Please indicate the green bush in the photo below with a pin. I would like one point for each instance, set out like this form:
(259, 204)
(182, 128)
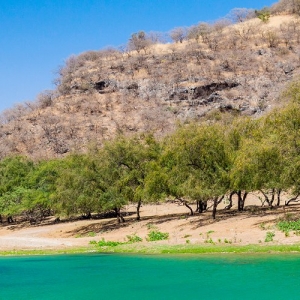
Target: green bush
(134, 238)
(103, 243)
(209, 241)
(287, 226)
(156, 235)
(269, 236)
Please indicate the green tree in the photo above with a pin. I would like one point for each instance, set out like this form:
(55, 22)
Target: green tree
(130, 161)
(79, 186)
(285, 124)
(13, 173)
(198, 164)
(240, 131)
(41, 189)
(263, 14)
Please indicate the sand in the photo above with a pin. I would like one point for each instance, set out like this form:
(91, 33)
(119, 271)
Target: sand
(230, 227)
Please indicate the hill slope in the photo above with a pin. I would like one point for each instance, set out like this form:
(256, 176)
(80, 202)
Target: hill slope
(239, 68)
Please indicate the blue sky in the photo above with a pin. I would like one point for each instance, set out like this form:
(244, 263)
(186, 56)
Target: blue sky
(38, 35)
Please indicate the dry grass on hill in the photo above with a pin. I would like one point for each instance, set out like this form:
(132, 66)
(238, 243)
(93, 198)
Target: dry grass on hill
(240, 69)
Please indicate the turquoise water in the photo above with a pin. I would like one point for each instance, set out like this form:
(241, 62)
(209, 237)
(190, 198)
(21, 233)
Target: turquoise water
(105, 276)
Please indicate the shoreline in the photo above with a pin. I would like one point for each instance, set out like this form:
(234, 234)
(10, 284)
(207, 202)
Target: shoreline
(248, 232)
(160, 249)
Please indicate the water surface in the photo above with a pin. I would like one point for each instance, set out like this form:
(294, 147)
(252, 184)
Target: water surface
(106, 276)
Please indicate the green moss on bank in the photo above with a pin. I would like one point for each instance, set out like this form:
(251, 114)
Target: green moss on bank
(163, 249)
(47, 251)
(200, 249)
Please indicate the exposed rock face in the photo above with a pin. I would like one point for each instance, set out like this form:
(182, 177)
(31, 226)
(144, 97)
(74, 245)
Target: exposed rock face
(204, 92)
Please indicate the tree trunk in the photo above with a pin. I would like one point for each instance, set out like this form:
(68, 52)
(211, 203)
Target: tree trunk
(214, 212)
(241, 200)
(119, 216)
(1, 221)
(201, 206)
(138, 217)
(184, 202)
(267, 199)
(198, 206)
(292, 199)
(10, 219)
(278, 197)
(216, 203)
(272, 198)
(191, 210)
(87, 216)
(230, 200)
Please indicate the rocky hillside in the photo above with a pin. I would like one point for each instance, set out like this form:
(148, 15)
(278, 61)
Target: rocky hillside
(240, 68)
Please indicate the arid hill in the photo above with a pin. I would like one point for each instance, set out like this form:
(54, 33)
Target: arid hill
(150, 86)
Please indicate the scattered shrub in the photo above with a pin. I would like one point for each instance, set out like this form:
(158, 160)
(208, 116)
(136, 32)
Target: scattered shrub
(104, 243)
(269, 236)
(209, 241)
(134, 238)
(227, 241)
(287, 226)
(155, 235)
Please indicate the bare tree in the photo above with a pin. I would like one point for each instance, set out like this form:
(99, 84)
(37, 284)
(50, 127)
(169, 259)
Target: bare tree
(204, 30)
(45, 98)
(219, 25)
(16, 112)
(194, 33)
(139, 41)
(271, 38)
(289, 6)
(238, 15)
(156, 37)
(178, 34)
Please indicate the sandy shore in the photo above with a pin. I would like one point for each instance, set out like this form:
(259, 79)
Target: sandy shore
(230, 227)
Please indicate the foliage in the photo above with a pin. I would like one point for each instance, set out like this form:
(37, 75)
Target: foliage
(287, 226)
(269, 236)
(134, 238)
(78, 188)
(156, 235)
(263, 14)
(197, 162)
(104, 243)
(13, 184)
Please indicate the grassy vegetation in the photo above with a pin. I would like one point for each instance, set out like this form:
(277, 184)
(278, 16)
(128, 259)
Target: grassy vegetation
(163, 249)
(47, 251)
(269, 236)
(103, 243)
(287, 226)
(202, 249)
(156, 235)
(134, 238)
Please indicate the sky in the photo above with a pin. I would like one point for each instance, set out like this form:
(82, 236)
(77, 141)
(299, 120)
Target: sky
(37, 36)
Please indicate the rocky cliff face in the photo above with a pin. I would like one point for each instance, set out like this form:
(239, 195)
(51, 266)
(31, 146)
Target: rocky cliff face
(241, 69)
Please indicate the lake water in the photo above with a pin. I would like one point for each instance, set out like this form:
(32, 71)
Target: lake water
(106, 276)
